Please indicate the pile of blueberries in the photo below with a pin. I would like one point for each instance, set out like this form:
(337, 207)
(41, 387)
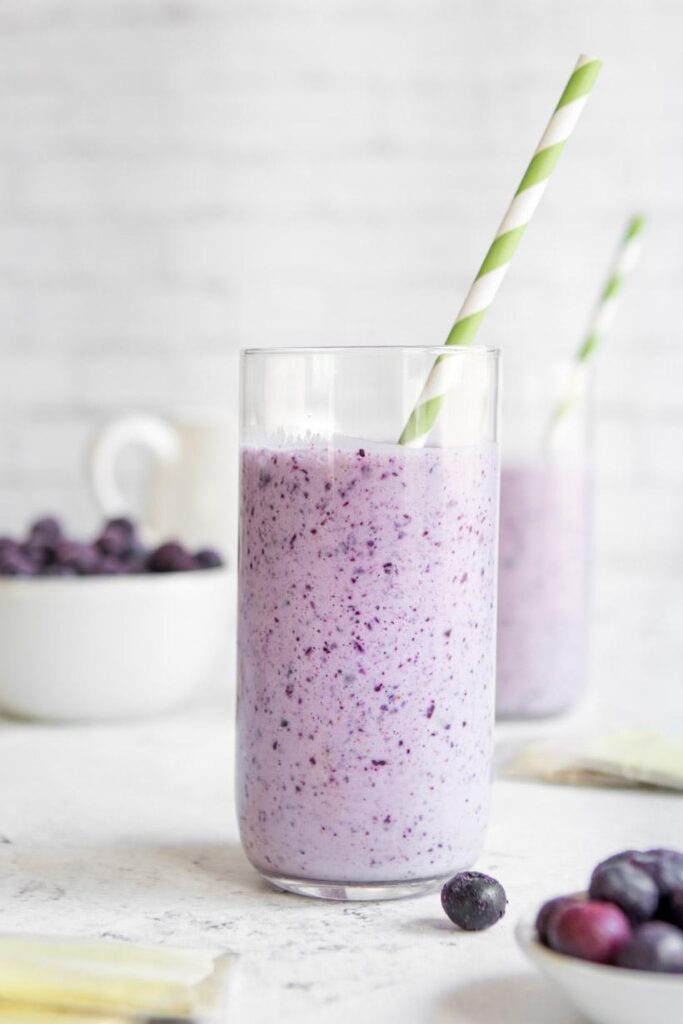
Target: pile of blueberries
(116, 551)
(631, 917)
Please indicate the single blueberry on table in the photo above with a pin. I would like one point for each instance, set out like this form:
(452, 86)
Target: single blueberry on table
(590, 931)
(654, 946)
(629, 886)
(473, 901)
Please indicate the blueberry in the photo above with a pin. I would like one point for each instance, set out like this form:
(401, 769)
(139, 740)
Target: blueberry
(655, 946)
(629, 886)
(124, 524)
(671, 908)
(106, 565)
(39, 554)
(117, 538)
(665, 867)
(207, 558)
(136, 559)
(473, 901)
(74, 554)
(15, 563)
(170, 557)
(616, 858)
(58, 570)
(589, 931)
(549, 910)
(47, 530)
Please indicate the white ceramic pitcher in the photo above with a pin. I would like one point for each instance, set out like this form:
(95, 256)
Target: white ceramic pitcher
(192, 492)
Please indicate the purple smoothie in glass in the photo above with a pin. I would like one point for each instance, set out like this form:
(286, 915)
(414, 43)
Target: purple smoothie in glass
(366, 658)
(543, 586)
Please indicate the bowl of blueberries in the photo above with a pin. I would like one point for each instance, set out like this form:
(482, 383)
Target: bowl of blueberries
(616, 951)
(107, 628)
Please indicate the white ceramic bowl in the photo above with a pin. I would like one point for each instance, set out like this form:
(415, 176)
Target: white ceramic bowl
(111, 647)
(606, 995)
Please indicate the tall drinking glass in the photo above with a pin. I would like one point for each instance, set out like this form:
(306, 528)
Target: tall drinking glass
(545, 539)
(367, 597)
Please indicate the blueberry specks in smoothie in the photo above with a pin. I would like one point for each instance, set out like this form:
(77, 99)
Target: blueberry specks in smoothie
(353, 673)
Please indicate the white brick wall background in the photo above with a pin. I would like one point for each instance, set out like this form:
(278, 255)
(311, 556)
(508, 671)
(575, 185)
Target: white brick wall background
(180, 178)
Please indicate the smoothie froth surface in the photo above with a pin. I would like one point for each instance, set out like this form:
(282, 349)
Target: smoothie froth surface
(366, 658)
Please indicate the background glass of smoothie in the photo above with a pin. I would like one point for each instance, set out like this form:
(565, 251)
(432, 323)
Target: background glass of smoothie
(367, 606)
(544, 588)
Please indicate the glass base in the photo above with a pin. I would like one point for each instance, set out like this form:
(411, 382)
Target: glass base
(519, 715)
(356, 891)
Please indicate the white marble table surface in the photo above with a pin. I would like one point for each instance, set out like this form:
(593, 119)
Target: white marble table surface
(129, 831)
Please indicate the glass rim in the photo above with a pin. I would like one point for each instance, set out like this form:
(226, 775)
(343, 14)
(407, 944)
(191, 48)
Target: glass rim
(435, 350)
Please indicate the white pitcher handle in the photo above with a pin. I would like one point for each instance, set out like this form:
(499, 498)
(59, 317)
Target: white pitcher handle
(140, 430)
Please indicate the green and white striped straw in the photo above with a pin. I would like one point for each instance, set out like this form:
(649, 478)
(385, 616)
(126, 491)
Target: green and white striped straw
(625, 260)
(508, 236)
(626, 257)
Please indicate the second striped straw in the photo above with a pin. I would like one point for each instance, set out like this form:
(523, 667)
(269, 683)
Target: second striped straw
(606, 307)
(508, 236)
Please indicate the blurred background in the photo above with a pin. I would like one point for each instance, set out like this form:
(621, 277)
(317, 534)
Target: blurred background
(183, 178)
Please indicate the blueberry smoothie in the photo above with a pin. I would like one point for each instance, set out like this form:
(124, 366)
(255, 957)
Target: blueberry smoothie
(543, 586)
(367, 581)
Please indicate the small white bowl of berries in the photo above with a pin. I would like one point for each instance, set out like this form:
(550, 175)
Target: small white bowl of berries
(108, 628)
(616, 951)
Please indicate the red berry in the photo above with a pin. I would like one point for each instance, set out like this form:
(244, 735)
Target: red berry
(589, 931)
(548, 912)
